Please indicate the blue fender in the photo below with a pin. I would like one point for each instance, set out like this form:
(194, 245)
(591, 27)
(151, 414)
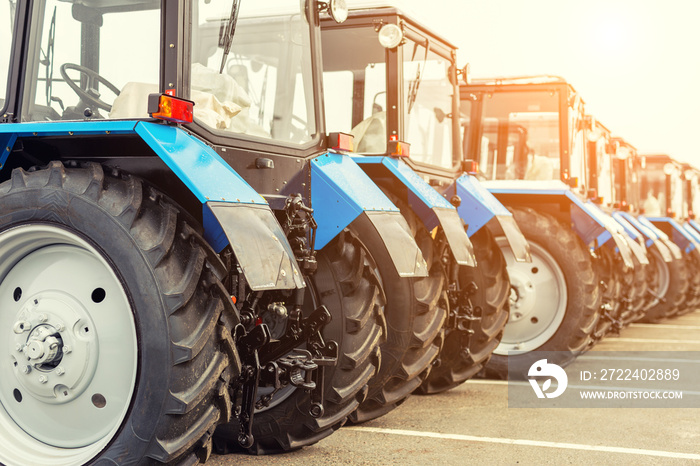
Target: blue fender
(432, 208)
(233, 212)
(619, 232)
(694, 225)
(649, 235)
(675, 231)
(673, 248)
(341, 192)
(634, 238)
(695, 234)
(592, 225)
(478, 206)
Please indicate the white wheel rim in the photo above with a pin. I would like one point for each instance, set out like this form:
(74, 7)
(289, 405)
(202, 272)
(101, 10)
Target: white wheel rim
(663, 275)
(61, 407)
(537, 303)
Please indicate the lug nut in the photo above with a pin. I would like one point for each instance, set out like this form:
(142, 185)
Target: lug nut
(21, 326)
(67, 349)
(43, 379)
(60, 371)
(43, 318)
(26, 369)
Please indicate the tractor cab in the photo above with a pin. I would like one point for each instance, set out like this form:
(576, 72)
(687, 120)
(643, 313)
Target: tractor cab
(527, 129)
(397, 87)
(662, 187)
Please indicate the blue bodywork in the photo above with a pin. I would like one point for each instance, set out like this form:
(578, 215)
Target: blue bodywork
(649, 232)
(478, 206)
(591, 224)
(695, 225)
(227, 200)
(694, 233)
(678, 234)
(341, 192)
(431, 207)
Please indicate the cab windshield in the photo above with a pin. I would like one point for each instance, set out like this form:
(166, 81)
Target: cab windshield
(263, 86)
(661, 188)
(7, 25)
(354, 79)
(427, 105)
(519, 136)
(84, 55)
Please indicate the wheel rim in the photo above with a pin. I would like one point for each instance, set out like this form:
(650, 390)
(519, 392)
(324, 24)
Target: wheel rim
(662, 280)
(69, 374)
(537, 302)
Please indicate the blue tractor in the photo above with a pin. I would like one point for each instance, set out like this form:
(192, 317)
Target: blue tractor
(529, 138)
(183, 247)
(392, 83)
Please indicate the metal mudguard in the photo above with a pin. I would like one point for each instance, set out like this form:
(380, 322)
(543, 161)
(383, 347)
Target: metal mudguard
(695, 234)
(342, 192)
(675, 232)
(651, 234)
(591, 224)
(635, 239)
(620, 237)
(432, 208)
(478, 206)
(233, 212)
(694, 225)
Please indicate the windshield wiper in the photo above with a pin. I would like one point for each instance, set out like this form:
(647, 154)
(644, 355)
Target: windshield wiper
(415, 83)
(230, 31)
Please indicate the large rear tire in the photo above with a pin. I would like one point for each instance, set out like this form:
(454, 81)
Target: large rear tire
(555, 300)
(415, 313)
(464, 355)
(115, 324)
(345, 282)
(671, 285)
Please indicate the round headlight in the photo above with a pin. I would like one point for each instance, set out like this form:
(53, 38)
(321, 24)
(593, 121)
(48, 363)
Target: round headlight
(623, 153)
(338, 10)
(390, 36)
(669, 169)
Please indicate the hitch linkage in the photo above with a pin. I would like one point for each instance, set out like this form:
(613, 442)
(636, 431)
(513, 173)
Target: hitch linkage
(278, 364)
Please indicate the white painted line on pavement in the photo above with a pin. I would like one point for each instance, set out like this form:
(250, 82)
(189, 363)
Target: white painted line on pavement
(662, 326)
(487, 382)
(591, 357)
(579, 387)
(647, 340)
(530, 443)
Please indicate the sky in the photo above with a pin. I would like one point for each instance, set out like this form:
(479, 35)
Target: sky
(636, 63)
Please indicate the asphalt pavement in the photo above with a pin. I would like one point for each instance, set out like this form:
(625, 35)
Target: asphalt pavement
(472, 424)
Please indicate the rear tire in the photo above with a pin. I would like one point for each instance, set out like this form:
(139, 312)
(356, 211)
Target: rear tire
(141, 316)
(672, 286)
(415, 314)
(555, 300)
(464, 355)
(347, 284)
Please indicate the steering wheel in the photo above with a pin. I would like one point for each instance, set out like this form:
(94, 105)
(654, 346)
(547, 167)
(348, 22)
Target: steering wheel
(89, 95)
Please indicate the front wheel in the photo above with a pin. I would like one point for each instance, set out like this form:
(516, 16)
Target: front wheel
(554, 301)
(112, 316)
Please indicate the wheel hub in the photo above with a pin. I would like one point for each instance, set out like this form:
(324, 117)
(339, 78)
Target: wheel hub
(53, 351)
(523, 296)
